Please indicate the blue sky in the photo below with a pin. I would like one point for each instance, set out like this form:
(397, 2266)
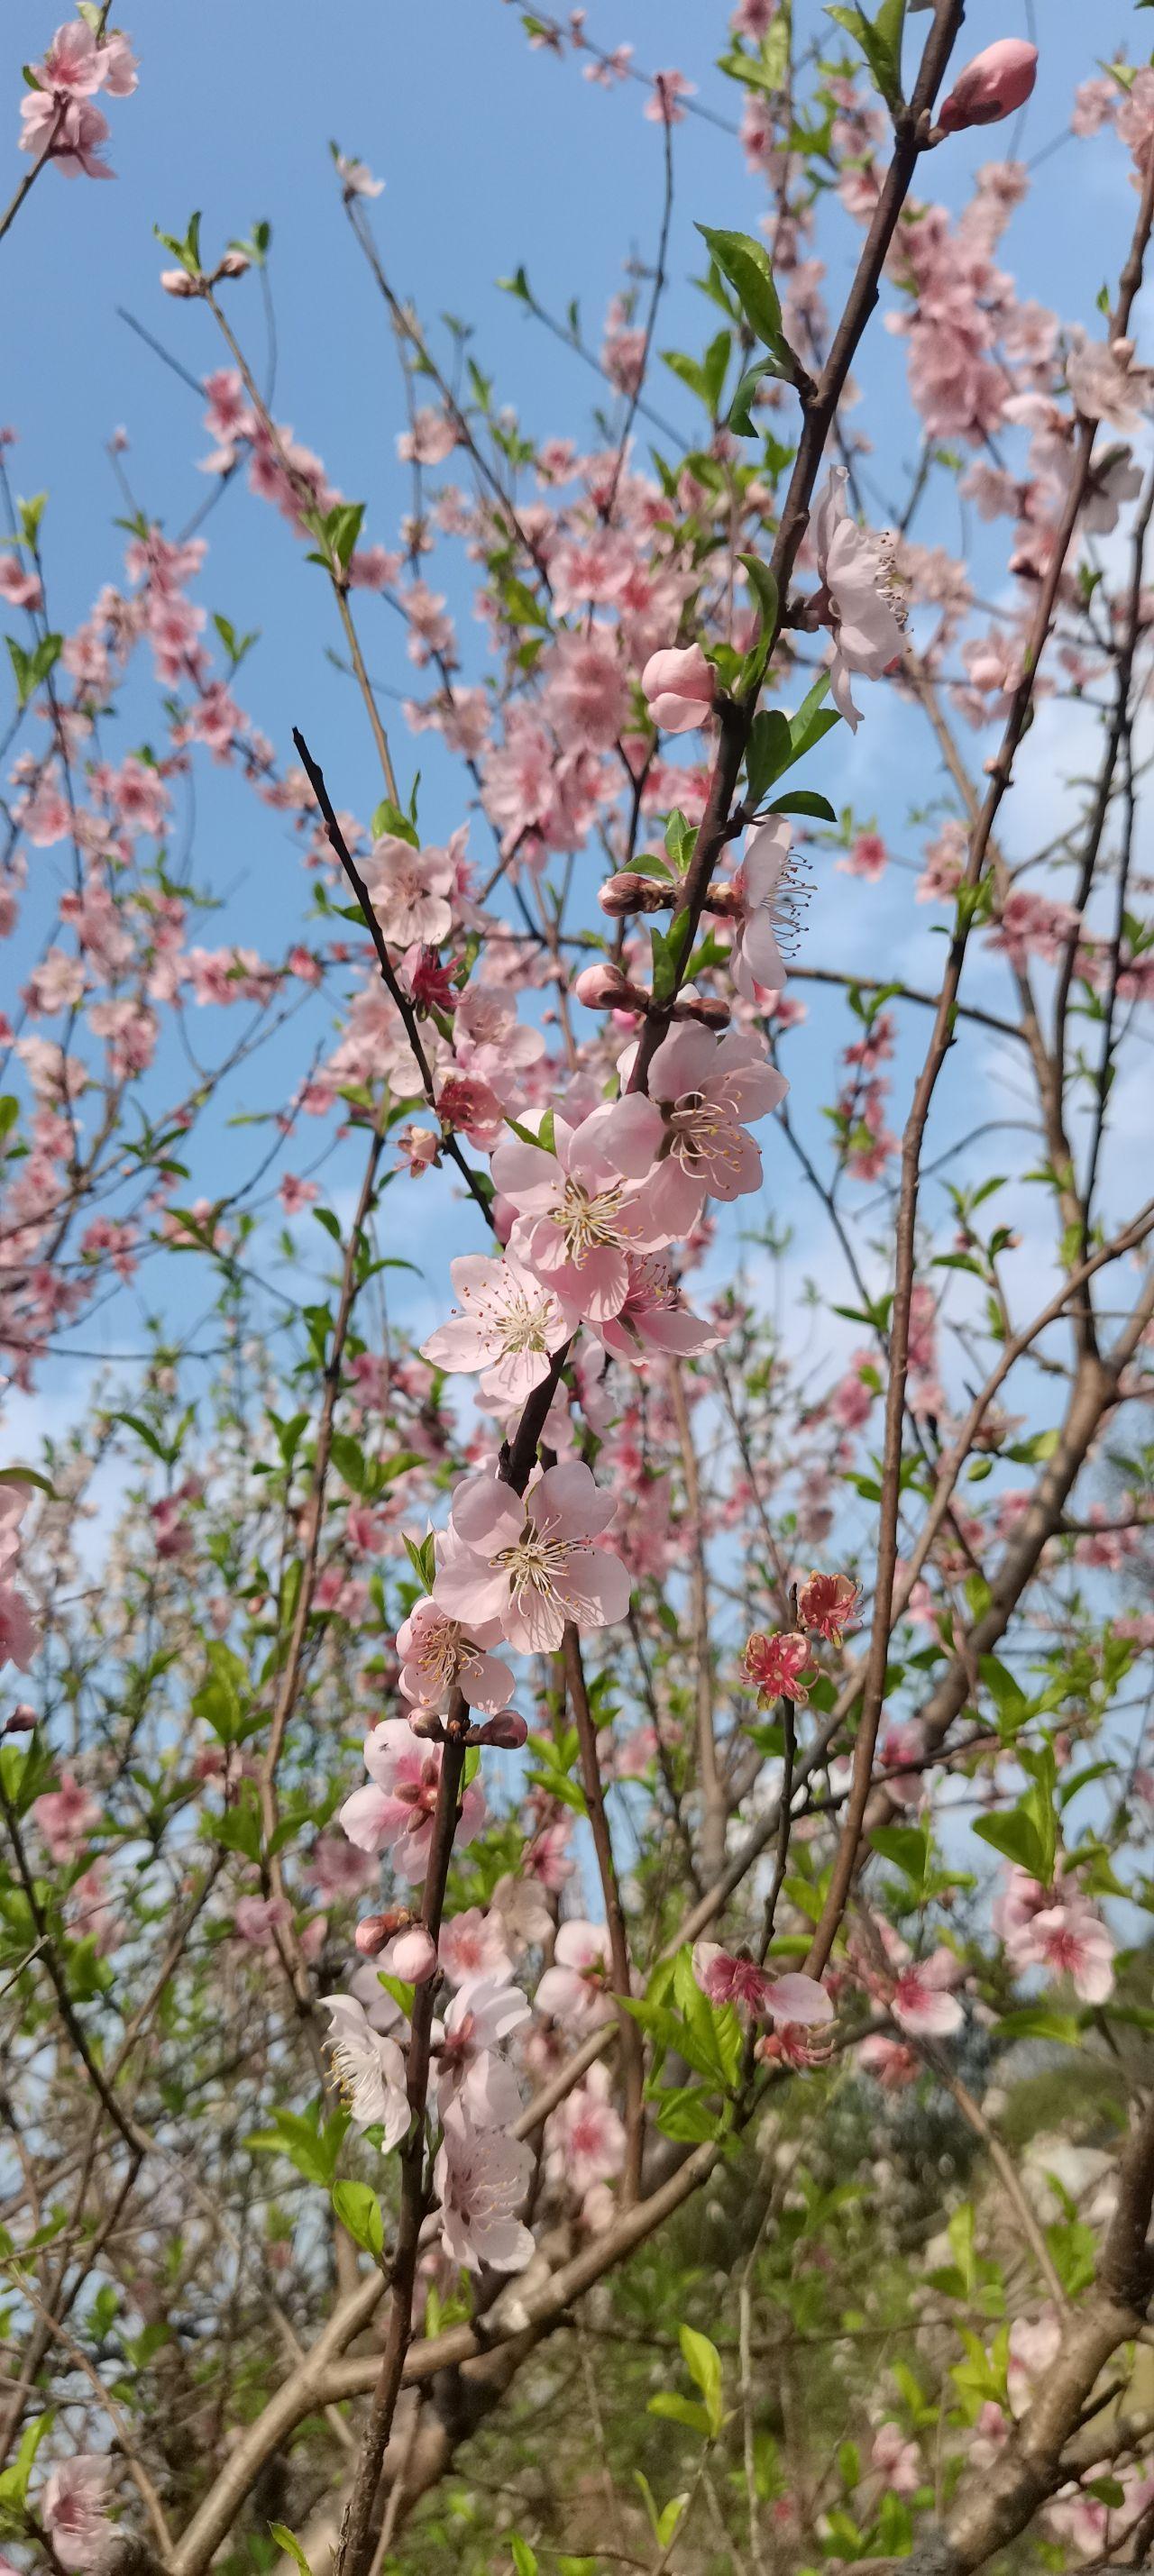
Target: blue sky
(492, 154)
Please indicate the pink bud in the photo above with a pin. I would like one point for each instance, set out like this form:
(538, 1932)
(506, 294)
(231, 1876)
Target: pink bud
(623, 894)
(376, 1929)
(425, 1722)
(176, 281)
(234, 264)
(414, 1955)
(20, 1720)
(679, 688)
(709, 1013)
(998, 80)
(506, 1730)
(605, 988)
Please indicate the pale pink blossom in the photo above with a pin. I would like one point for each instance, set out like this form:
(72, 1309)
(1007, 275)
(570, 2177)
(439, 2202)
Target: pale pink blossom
(481, 2179)
(652, 1319)
(762, 883)
(468, 2071)
(856, 599)
(729, 1979)
(409, 889)
(679, 687)
(74, 2512)
(67, 1817)
(585, 2136)
(1035, 2344)
(369, 2069)
(582, 1209)
(474, 1944)
(705, 1088)
(510, 1328)
(394, 1812)
(898, 2461)
(922, 2001)
(75, 132)
(19, 1633)
(439, 1656)
(575, 1990)
(529, 1562)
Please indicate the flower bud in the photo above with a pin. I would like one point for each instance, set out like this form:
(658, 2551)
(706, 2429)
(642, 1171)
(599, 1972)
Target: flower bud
(20, 1720)
(414, 1955)
(605, 988)
(679, 688)
(506, 1730)
(626, 893)
(376, 1930)
(996, 82)
(425, 1723)
(709, 1013)
(176, 281)
(234, 264)
(726, 900)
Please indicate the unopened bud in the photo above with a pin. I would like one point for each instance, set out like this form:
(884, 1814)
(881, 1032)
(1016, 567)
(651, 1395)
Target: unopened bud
(726, 900)
(506, 1730)
(20, 1720)
(626, 893)
(377, 1930)
(425, 1723)
(414, 1955)
(176, 281)
(991, 86)
(234, 264)
(606, 988)
(709, 1014)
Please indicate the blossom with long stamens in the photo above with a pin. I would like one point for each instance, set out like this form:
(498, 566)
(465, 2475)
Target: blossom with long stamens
(702, 1089)
(369, 2069)
(768, 901)
(529, 1561)
(511, 1325)
(439, 1656)
(857, 598)
(581, 1210)
(652, 1321)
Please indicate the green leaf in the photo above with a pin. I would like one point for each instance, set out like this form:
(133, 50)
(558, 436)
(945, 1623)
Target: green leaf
(679, 2410)
(524, 2559)
(703, 2362)
(880, 40)
(805, 800)
(287, 2541)
(359, 2211)
(1016, 1837)
(745, 262)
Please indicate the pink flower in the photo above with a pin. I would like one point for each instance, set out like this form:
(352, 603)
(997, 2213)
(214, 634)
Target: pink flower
(73, 63)
(437, 1656)
(922, 2002)
(408, 889)
(705, 1088)
(369, 2069)
(574, 1990)
(395, 1811)
(80, 131)
(868, 858)
(727, 1979)
(585, 2137)
(998, 80)
(663, 107)
(73, 2509)
(762, 882)
(826, 1604)
(587, 694)
(580, 1210)
(1071, 1941)
(19, 1634)
(482, 2014)
(357, 179)
(511, 1325)
(529, 1562)
(889, 2061)
(1035, 2344)
(66, 1817)
(20, 588)
(652, 1318)
(295, 1194)
(781, 1666)
(473, 1945)
(856, 599)
(679, 687)
(482, 2178)
(898, 2460)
